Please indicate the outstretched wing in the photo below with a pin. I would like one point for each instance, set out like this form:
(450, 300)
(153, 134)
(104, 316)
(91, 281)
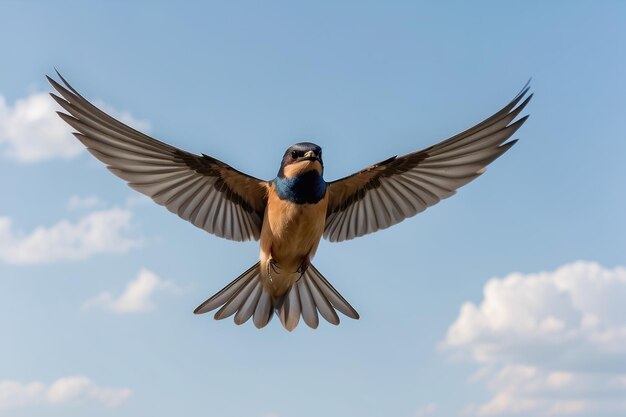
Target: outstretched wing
(209, 193)
(392, 190)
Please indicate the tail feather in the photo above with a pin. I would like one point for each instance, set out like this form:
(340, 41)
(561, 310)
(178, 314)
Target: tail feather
(228, 291)
(247, 309)
(236, 301)
(321, 302)
(307, 304)
(263, 311)
(332, 294)
(246, 298)
(289, 311)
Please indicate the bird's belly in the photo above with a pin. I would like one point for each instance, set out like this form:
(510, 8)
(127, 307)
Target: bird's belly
(293, 230)
(295, 236)
(290, 234)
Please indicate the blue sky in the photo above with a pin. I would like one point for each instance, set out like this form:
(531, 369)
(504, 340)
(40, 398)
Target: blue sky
(97, 285)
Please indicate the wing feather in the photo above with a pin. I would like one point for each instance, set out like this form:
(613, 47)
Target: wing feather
(201, 189)
(399, 187)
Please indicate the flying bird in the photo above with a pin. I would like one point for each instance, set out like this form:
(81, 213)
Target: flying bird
(290, 213)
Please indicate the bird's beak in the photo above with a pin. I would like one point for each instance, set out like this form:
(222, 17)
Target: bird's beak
(309, 154)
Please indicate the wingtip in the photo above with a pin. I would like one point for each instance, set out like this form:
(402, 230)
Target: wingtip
(58, 99)
(67, 118)
(523, 91)
(52, 80)
(526, 86)
(64, 81)
(61, 77)
(200, 309)
(55, 84)
(506, 146)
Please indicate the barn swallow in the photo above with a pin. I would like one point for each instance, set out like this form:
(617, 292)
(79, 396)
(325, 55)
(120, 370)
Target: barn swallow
(292, 212)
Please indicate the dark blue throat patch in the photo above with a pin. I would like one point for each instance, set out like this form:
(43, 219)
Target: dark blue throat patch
(307, 188)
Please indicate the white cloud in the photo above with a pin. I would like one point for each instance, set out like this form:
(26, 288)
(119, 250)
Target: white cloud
(137, 199)
(96, 232)
(14, 395)
(31, 131)
(80, 389)
(68, 390)
(82, 203)
(549, 343)
(427, 410)
(136, 297)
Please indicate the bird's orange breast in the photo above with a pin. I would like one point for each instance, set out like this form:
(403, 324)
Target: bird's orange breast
(290, 233)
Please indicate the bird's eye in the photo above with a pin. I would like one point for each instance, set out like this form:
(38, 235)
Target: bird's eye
(294, 154)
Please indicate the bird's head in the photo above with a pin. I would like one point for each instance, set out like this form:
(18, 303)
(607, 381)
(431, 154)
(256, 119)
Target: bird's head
(300, 158)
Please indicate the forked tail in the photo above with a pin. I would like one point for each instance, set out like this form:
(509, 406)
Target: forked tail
(245, 297)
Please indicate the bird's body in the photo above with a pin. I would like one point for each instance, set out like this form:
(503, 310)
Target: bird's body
(290, 235)
(291, 213)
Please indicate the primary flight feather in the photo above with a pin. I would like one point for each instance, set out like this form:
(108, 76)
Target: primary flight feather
(292, 212)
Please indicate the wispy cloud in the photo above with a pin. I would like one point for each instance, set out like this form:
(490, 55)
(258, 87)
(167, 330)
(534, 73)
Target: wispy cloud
(83, 203)
(68, 390)
(96, 232)
(137, 297)
(550, 343)
(31, 131)
(427, 410)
